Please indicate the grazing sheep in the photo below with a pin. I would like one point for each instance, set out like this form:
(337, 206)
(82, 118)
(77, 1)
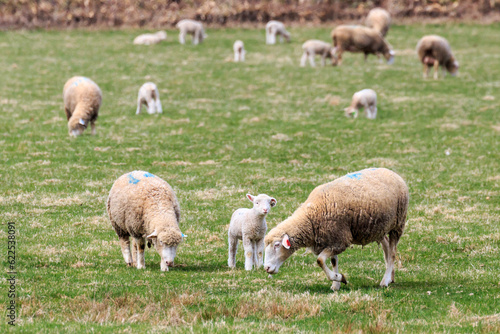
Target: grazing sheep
(435, 51)
(148, 39)
(358, 208)
(314, 47)
(274, 28)
(367, 99)
(360, 39)
(239, 51)
(82, 100)
(379, 19)
(191, 27)
(149, 95)
(250, 226)
(144, 206)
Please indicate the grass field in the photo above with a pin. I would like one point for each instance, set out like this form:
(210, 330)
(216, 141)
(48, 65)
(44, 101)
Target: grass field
(264, 126)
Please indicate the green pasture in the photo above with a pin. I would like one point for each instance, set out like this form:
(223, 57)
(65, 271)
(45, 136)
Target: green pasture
(263, 126)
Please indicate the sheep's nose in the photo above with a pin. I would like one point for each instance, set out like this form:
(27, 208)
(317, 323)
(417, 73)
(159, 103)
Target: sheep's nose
(267, 268)
(265, 210)
(170, 263)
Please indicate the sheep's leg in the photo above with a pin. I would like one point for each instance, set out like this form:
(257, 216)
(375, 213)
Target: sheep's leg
(436, 70)
(125, 245)
(260, 253)
(139, 105)
(236, 56)
(233, 248)
(335, 264)
(140, 253)
(323, 60)
(339, 57)
(390, 256)
(134, 251)
(68, 113)
(247, 247)
(92, 127)
(303, 59)
(426, 71)
(331, 275)
(311, 59)
(366, 57)
(159, 109)
(255, 258)
(196, 37)
(242, 55)
(182, 37)
(151, 104)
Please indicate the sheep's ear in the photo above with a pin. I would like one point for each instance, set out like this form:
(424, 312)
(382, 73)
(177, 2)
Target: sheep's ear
(286, 242)
(273, 201)
(81, 121)
(250, 197)
(153, 235)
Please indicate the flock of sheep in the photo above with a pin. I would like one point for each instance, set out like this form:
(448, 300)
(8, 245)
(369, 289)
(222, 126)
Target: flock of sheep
(358, 208)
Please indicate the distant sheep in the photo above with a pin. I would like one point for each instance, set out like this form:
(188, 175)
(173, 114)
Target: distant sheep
(149, 95)
(314, 47)
(274, 28)
(367, 99)
(435, 51)
(239, 51)
(191, 27)
(360, 39)
(250, 226)
(379, 19)
(82, 100)
(358, 208)
(144, 206)
(149, 39)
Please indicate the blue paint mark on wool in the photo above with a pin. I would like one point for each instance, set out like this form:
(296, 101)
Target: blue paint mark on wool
(79, 81)
(132, 179)
(147, 174)
(354, 176)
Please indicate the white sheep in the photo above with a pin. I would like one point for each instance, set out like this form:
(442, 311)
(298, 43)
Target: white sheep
(435, 51)
(191, 27)
(144, 206)
(82, 100)
(239, 51)
(149, 39)
(149, 95)
(358, 208)
(367, 99)
(314, 47)
(274, 28)
(250, 226)
(379, 19)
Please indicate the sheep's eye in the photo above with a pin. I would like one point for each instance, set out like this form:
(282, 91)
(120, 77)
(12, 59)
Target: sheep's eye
(277, 244)
(256, 202)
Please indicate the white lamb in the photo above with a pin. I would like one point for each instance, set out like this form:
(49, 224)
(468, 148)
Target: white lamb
(149, 95)
(250, 226)
(239, 51)
(149, 39)
(314, 47)
(274, 28)
(191, 27)
(367, 99)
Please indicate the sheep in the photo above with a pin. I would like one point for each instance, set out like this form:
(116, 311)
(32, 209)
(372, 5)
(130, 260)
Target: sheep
(435, 51)
(145, 207)
(239, 51)
(250, 226)
(148, 39)
(149, 95)
(360, 39)
(359, 208)
(82, 100)
(313, 47)
(191, 27)
(379, 19)
(274, 28)
(367, 99)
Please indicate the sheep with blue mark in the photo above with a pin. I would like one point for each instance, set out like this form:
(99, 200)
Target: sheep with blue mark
(82, 100)
(145, 207)
(358, 208)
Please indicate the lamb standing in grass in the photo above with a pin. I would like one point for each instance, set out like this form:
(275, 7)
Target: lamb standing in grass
(314, 47)
(360, 39)
(358, 208)
(82, 100)
(250, 226)
(434, 51)
(379, 19)
(144, 206)
(367, 99)
(239, 51)
(274, 28)
(149, 39)
(191, 27)
(149, 95)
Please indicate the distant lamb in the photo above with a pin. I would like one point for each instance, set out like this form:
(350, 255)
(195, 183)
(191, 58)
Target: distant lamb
(239, 51)
(435, 51)
(274, 28)
(360, 39)
(250, 226)
(191, 27)
(314, 47)
(144, 206)
(82, 100)
(149, 95)
(358, 208)
(367, 99)
(379, 19)
(149, 39)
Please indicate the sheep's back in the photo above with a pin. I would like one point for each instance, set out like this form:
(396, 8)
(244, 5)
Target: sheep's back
(81, 90)
(435, 46)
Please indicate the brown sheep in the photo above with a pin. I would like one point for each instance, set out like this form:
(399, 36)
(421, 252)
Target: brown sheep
(435, 51)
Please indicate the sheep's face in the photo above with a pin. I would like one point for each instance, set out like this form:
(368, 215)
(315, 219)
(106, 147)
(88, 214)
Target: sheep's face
(76, 126)
(277, 251)
(262, 203)
(389, 56)
(166, 243)
(452, 67)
